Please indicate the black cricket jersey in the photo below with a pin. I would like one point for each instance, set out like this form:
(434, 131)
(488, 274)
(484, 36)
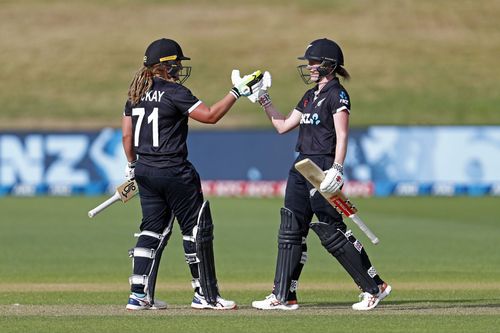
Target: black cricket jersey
(160, 124)
(317, 131)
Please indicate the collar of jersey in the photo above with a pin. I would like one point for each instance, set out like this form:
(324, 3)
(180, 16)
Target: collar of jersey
(328, 86)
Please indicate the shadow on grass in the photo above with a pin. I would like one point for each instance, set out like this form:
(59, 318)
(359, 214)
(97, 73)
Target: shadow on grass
(420, 304)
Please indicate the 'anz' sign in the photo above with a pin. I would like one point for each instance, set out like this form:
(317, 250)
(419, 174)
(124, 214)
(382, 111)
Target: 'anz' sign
(59, 161)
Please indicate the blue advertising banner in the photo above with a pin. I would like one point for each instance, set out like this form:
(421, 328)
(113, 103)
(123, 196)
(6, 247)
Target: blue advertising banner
(381, 160)
(427, 160)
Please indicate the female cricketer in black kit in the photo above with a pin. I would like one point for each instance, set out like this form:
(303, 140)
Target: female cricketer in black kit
(323, 119)
(155, 128)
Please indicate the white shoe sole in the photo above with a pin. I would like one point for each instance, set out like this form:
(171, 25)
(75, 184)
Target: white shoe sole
(211, 307)
(137, 307)
(140, 308)
(366, 308)
(275, 307)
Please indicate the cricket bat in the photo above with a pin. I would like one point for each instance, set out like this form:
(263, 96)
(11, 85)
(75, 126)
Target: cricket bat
(315, 176)
(124, 192)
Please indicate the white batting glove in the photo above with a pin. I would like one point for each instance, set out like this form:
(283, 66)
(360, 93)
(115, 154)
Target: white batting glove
(246, 85)
(259, 94)
(334, 179)
(130, 170)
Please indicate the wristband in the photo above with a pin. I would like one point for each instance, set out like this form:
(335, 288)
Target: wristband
(339, 167)
(132, 164)
(235, 92)
(265, 100)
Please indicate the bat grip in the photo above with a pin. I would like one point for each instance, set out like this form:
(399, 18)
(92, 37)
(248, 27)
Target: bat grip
(356, 219)
(104, 205)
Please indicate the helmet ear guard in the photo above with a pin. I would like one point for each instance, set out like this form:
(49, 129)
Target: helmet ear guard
(177, 71)
(327, 67)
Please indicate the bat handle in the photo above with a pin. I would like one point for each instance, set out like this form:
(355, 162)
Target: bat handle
(105, 204)
(359, 222)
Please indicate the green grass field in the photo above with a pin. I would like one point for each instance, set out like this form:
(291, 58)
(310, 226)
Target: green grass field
(66, 65)
(64, 272)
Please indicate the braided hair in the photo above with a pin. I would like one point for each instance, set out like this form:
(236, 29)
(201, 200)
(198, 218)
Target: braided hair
(143, 81)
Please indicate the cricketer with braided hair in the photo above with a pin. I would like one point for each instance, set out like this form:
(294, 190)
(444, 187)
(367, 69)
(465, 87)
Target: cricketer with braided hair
(155, 129)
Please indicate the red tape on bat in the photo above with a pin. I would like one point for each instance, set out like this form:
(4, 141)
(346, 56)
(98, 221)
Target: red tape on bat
(344, 206)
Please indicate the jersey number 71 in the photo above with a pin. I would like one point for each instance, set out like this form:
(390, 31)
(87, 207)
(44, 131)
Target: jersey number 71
(152, 118)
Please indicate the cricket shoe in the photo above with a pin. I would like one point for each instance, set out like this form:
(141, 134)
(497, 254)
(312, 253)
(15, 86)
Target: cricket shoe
(199, 302)
(384, 291)
(142, 303)
(369, 301)
(272, 303)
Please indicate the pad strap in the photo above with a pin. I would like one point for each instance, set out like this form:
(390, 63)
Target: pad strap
(195, 283)
(150, 234)
(138, 279)
(191, 258)
(142, 252)
(303, 258)
(191, 238)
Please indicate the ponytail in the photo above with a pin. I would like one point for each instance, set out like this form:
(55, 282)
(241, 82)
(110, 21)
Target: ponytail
(341, 71)
(143, 81)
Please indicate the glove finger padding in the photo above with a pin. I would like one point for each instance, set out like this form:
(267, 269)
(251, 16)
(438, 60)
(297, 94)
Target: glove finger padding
(252, 83)
(247, 85)
(333, 181)
(266, 80)
(260, 89)
(235, 76)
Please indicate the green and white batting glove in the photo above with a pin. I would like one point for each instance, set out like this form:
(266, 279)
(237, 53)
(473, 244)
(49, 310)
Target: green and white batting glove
(261, 94)
(247, 85)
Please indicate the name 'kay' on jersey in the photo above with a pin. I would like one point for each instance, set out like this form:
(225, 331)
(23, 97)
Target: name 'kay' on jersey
(152, 96)
(317, 129)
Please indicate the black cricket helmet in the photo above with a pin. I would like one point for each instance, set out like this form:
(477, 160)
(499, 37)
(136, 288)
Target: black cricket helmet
(327, 52)
(168, 52)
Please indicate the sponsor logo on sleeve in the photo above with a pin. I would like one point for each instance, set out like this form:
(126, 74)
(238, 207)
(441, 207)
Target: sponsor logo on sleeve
(343, 99)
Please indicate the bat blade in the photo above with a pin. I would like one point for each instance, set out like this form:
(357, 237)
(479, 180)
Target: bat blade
(342, 204)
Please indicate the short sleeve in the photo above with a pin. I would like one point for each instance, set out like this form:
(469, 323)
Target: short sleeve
(127, 111)
(184, 100)
(301, 105)
(340, 101)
